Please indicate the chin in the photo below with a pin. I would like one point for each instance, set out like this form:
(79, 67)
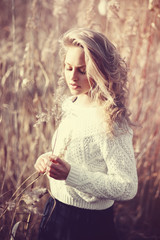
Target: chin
(74, 92)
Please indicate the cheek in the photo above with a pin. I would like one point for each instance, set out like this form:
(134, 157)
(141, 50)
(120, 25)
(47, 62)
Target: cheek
(87, 83)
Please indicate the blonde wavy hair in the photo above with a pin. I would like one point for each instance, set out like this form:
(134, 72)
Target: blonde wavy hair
(107, 71)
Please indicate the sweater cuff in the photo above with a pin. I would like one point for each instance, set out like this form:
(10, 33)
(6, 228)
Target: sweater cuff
(73, 177)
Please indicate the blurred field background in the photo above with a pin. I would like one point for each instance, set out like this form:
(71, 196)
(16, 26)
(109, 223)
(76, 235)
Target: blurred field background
(29, 73)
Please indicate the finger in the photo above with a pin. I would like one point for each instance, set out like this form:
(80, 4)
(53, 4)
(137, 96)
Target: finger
(52, 173)
(53, 158)
(53, 168)
(40, 167)
(62, 163)
(59, 160)
(50, 164)
(43, 163)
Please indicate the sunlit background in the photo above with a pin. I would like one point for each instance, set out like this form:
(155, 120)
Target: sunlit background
(29, 103)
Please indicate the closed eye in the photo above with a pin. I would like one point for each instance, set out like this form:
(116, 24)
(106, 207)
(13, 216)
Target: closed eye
(82, 70)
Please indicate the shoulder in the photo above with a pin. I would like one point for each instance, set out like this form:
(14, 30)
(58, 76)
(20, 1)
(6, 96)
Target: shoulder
(122, 135)
(122, 129)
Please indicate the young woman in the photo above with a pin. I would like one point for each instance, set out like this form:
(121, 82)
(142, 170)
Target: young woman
(93, 162)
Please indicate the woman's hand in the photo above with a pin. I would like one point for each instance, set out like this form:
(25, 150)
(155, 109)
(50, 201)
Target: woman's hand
(53, 166)
(58, 168)
(41, 163)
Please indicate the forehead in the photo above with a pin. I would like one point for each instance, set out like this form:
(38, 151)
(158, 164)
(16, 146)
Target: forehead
(75, 56)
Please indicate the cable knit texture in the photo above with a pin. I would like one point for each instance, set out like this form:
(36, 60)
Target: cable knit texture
(103, 167)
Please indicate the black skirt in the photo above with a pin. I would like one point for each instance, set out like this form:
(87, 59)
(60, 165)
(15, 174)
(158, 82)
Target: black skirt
(66, 222)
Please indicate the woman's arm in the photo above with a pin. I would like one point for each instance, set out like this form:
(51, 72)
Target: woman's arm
(120, 182)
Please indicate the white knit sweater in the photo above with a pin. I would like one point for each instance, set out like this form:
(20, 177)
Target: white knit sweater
(103, 168)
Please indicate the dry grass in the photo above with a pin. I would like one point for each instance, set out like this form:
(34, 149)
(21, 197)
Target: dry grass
(29, 70)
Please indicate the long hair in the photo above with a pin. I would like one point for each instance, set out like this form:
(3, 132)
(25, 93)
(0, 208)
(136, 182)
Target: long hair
(107, 71)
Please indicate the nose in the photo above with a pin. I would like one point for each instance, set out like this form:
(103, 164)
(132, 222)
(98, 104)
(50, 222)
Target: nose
(74, 75)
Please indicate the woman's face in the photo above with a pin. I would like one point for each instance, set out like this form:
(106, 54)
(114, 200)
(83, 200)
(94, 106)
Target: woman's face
(75, 71)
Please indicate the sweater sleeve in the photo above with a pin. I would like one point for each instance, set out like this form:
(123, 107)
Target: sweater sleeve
(120, 182)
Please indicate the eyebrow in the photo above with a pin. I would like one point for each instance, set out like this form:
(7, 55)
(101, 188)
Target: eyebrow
(79, 66)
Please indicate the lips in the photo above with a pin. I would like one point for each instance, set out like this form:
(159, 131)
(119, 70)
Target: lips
(74, 86)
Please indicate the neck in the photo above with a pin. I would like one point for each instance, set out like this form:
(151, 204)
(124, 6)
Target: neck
(84, 100)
